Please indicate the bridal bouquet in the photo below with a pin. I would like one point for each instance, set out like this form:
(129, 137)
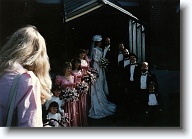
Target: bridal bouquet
(89, 78)
(104, 63)
(70, 94)
(82, 87)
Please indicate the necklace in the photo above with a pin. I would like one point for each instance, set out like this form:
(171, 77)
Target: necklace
(68, 77)
(76, 71)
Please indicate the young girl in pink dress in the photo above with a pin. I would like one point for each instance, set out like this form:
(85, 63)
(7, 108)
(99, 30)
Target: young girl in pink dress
(70, 106)
(77, 73)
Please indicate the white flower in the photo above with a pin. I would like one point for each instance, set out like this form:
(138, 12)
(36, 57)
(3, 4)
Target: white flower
(104, 62)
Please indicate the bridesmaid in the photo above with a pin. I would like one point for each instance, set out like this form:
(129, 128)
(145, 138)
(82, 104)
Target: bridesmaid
(77, 73)
(68, 81)
(84, 63)
(87, 58)
(76, 70)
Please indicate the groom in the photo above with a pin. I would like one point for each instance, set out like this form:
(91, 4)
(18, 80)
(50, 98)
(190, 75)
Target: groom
(109, 53)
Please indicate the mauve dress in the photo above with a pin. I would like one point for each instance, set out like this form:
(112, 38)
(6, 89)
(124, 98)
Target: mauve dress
(84, 66)
(82, 100)
(70, 107)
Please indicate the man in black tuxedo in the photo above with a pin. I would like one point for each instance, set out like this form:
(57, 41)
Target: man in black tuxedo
(119, 54)
(109, 53)
(122, 64)
(142, 82)
(131, 76)
(145, 79)
(132, 73)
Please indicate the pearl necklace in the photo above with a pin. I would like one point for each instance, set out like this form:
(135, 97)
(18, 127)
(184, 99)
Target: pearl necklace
(68, 77)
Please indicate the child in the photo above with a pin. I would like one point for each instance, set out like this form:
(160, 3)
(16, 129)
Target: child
(154, 105)
(56, 90)
(53, 113)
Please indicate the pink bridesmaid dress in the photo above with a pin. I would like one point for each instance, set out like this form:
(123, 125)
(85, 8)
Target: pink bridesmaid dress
(82, 100)
(84, 66)
(70, 107)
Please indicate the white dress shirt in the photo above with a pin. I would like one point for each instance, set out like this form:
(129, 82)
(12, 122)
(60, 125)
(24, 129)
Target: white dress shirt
(132, 69)
(143, 82)
(105, 50)
(152, 100)
(120, 57)
(126, 62)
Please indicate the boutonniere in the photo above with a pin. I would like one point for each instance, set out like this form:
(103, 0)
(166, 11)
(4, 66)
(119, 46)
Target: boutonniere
(109, 50)
(136, 65)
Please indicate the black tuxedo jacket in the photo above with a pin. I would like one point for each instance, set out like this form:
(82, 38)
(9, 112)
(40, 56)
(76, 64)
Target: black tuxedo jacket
(121, 72)
(136, 75)
(150, 78)
(121, 65)
(111, 56)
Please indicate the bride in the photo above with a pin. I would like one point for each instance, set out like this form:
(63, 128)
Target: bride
(100, 106)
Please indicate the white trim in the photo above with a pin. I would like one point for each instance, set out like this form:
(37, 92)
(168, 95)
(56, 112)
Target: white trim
(119, 8)
(83, 13)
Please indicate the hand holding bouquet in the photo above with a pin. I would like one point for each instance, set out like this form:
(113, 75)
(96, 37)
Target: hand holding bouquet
(82, 87)
(70, 94)
(104, 63)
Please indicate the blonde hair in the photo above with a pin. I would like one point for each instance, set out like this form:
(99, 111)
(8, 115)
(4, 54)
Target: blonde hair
(28, 48)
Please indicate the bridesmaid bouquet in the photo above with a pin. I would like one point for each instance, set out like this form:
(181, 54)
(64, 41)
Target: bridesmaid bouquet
(70, 94)
(82, 87)
(93, 71)
(64, 119)
(104, 63)
(89, 78)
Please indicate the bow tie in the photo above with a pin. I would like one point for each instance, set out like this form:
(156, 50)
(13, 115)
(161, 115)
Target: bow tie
(143, 74)
(132, 64)
(151, 92)
(120, 52)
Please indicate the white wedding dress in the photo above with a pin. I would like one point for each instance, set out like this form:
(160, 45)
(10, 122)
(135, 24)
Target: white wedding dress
(100, 106)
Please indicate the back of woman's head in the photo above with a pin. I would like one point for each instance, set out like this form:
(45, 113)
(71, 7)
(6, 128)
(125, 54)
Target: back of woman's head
(27, 47)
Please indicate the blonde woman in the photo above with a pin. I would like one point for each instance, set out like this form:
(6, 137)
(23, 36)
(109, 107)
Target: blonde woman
(25, 53)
